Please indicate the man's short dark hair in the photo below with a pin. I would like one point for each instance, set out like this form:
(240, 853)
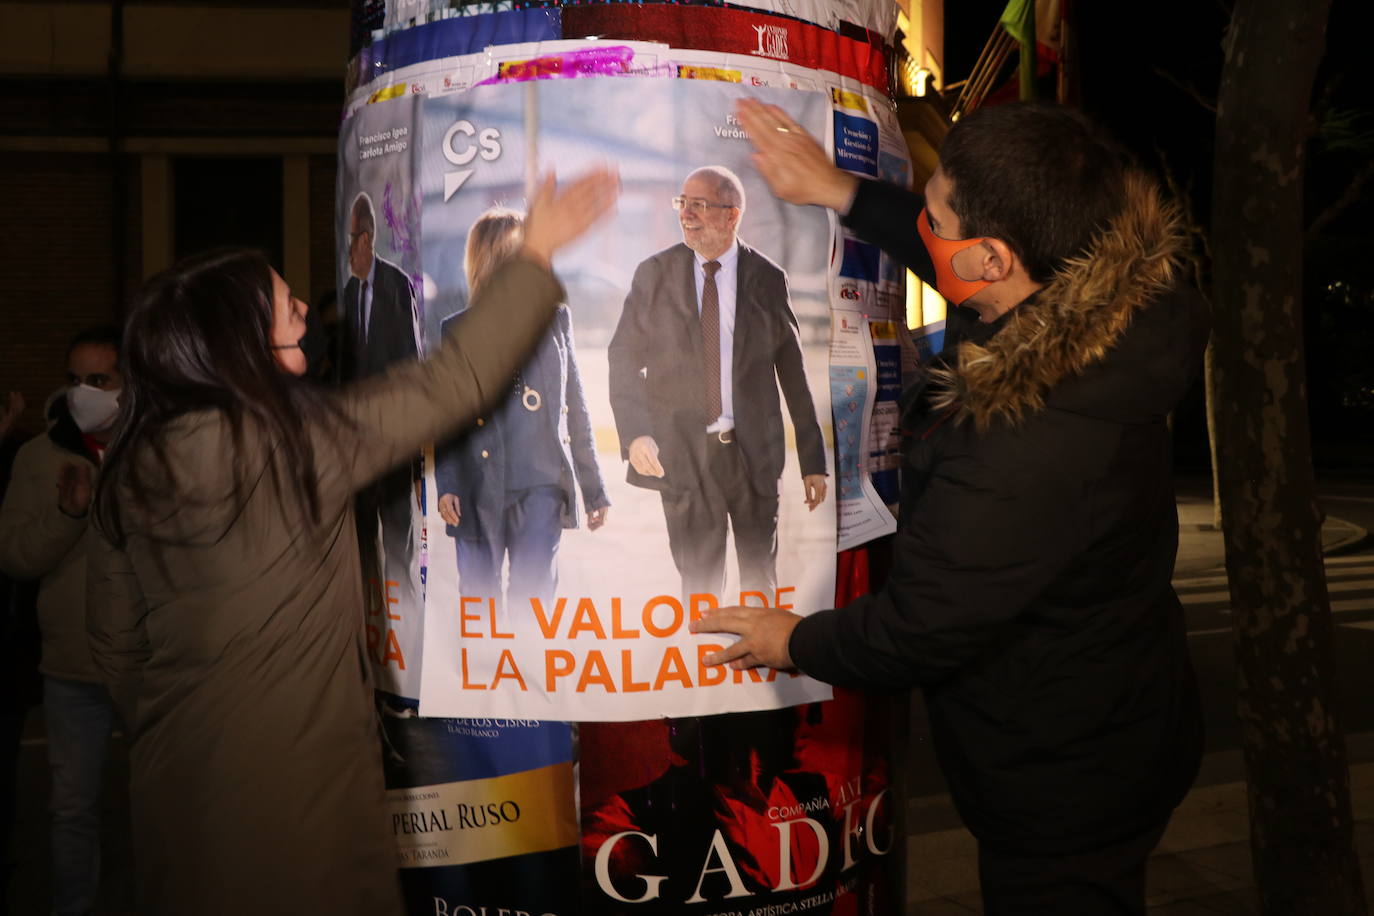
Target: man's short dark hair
(1036, 175)
(107, 335)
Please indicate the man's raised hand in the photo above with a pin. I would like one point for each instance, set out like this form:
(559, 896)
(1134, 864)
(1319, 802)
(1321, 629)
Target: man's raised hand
(795, 166)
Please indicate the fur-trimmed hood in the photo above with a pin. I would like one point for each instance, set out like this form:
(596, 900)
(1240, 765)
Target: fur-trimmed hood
(1113, 335)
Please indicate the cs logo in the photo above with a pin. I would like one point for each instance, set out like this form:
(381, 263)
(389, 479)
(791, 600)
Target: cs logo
(462, 144)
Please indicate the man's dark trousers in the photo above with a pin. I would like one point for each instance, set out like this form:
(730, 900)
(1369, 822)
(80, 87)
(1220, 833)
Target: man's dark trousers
(697, 522)
(1106, 881)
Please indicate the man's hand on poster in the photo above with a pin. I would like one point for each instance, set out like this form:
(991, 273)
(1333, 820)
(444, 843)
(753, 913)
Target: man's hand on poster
(815, 490)
(763, 635)
(597, 517)
(644, 457)
(795, 166)
(450, 509)
(558, 216)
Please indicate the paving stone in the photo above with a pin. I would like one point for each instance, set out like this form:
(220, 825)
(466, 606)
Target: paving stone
(947, 877)
(1174, 877)
(1240, 902)
(1230, 859)
(1180, 908)
(940, 906)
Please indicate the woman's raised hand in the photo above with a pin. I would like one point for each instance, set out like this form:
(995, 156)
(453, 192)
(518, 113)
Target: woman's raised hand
(558, 216)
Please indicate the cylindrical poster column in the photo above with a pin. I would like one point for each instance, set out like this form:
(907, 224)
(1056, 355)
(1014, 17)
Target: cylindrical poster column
(710, 420)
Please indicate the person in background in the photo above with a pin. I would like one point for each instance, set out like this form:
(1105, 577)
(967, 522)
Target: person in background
(508, 485)
(45, 534)
(21, 686)
(226, 609)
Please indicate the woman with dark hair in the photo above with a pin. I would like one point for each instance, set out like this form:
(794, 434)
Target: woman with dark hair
(508, 484)
(226, 602)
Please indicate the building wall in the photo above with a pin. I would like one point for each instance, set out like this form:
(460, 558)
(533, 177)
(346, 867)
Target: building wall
(57, 262)
(82, 152)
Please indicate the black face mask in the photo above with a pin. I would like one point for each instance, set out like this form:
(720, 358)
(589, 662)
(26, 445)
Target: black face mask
(314, 343)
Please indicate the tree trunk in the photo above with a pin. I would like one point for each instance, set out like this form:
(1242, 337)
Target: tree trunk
(1209, 388)
(1299, 781)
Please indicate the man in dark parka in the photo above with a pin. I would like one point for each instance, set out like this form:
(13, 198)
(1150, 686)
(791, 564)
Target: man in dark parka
(1030, 594)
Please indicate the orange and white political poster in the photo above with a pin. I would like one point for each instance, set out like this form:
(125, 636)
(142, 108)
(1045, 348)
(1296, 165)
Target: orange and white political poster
(668, 446)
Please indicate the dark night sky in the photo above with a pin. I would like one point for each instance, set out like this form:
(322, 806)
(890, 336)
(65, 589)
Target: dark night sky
(1139, 77)
(1133, 71)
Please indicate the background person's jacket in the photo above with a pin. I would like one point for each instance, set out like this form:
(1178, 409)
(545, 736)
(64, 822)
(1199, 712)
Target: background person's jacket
(39, 541)
(1031, 587)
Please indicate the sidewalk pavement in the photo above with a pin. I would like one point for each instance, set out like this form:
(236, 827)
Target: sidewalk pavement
(1200, 545)
(1202, 866)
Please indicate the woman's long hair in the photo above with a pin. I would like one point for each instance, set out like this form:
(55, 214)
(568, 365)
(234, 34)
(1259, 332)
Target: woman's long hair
(199, 338)
(494, 239)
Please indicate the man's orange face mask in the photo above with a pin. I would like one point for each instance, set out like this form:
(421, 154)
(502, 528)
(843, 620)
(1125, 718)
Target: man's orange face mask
(948, 283)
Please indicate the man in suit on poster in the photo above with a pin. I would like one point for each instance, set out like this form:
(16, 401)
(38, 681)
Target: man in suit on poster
(383, 325)
(706, 337)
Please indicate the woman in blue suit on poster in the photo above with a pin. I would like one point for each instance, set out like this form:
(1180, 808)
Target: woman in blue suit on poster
(507, 486)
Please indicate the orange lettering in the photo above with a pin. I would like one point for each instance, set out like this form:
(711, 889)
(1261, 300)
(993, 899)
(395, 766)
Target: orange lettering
(585, 619)
(464, 616)
(777, 603)
(709, 675)
(745, 596)
(547, 627)
(393, 650)
(466, 684)
(738, 676)
(374, 638)
(669, 601)
(617, 631)
(672, 668)
(514, 673)
(595, 672)
(491, 608)
(627, 682)
(702, 602)
(390, 600)
(557, 662)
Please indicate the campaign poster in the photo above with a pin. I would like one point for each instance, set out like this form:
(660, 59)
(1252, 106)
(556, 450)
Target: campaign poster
(780, 811)
(854, 391)
(877, 16)
(381, 306)
(884, 433)
(483, 812)
(668, 446)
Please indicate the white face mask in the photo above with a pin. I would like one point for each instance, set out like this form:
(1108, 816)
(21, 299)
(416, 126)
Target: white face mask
(93, 409)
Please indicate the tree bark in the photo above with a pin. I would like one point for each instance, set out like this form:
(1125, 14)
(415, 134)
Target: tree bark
(1299, 783)
(1209, 388)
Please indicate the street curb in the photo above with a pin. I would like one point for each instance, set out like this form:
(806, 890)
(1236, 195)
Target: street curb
(1197, 553)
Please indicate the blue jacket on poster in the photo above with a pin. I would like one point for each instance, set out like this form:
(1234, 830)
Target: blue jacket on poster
(474, 466)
